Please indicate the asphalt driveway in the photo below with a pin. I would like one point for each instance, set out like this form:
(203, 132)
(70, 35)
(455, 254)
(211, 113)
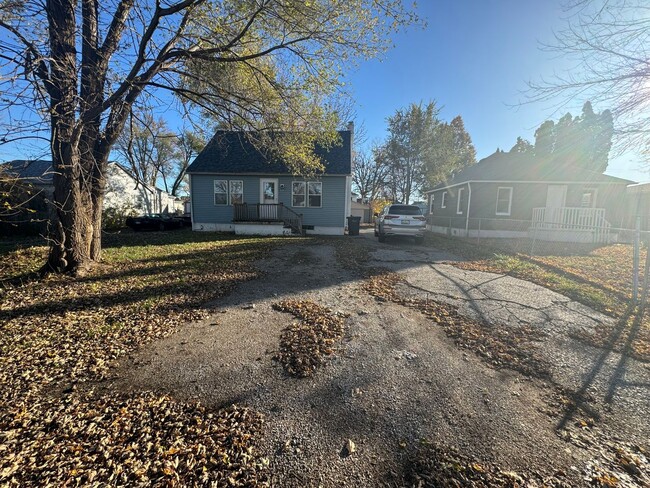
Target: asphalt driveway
(397, 379)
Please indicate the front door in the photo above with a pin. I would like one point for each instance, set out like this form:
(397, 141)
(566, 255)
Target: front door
(555, 200)
(269, 197)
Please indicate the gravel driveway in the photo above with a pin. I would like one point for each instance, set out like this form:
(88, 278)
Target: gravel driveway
(397, 380)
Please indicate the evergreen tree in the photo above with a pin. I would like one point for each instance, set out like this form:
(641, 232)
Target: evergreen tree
(522, 146)
(583, 141)
(545, 139)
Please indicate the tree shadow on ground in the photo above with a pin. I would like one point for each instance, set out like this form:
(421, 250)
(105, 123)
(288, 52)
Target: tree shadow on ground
(580, 399)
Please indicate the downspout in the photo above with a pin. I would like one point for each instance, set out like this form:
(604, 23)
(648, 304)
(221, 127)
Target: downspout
(469, 205)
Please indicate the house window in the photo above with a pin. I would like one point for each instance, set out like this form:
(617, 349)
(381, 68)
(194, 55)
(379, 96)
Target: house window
(431, 199)
(298, 197)
(307, 194)
(236, 192)
(588, 198)
(460, 204)
(221, 192)
(443, 204)
(504, 200)
(315, 189)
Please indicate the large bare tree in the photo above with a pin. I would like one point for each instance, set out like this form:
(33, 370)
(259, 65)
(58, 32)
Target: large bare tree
(369, 175)
(607, 45)
(80, 65)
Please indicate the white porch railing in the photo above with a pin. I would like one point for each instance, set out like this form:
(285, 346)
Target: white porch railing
(587, 224)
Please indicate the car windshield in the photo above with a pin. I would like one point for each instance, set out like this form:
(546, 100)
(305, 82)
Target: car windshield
(405, 210)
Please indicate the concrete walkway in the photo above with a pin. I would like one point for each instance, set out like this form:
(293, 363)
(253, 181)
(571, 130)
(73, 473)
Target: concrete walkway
(610, 385)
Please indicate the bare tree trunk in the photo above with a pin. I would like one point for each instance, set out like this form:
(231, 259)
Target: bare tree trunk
(73, 148)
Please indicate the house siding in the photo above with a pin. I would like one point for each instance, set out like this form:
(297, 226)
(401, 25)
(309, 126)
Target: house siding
(330, 214)
(525, 197)
(125, 194)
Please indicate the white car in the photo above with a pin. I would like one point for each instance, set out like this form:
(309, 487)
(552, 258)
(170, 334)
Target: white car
(400, 220)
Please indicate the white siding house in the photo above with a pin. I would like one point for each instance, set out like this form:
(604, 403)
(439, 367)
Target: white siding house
(123, 191)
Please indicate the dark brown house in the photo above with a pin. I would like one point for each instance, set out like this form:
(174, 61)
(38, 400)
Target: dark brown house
(514, 195)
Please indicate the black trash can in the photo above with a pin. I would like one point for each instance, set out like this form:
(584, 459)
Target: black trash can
(353, 225)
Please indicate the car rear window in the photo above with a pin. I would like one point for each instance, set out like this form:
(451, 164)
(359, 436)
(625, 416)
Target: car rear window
(405, 210)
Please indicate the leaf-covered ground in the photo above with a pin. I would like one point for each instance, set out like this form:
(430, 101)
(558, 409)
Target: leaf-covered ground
(305, 344)
(60, 333)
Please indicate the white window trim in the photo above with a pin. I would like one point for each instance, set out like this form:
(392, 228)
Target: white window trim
(214, 193)
(321, 194)
(496, 209)
(307, 205)
(443, 203)
(458, 210)
(304, 194)
(431, 200)
(230, 182)
(594, 196)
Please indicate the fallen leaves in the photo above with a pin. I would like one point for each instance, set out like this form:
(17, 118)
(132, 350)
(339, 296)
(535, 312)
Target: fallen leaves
(304, 344)
(139, 440)
(500, 346)
(61, 332)
(445, 467)
(615, 463)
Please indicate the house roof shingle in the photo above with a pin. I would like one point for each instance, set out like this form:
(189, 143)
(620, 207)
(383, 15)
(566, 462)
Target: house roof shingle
(38, 169)
(233, 153)
(521, 167)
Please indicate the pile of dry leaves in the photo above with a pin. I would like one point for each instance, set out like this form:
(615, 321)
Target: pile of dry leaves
(446, 468)
(501, 346)
(304, 344)
(59, 334)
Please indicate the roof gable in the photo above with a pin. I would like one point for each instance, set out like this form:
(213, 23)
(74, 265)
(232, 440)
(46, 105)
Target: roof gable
(232, 152)
(38, 169)
(513, 167)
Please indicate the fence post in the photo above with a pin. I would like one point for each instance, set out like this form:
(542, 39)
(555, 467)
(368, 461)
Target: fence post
(646, 272)
(532, 246)
(635, 271)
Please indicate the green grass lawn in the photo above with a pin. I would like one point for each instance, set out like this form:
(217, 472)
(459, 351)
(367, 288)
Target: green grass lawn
(61, 332)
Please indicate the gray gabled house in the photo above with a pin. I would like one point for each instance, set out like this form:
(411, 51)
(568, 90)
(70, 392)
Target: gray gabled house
(235, 187)
(518, 195)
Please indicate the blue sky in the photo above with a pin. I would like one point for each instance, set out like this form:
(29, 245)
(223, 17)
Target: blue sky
(474, 58)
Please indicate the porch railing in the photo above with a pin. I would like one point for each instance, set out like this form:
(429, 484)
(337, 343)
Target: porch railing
(268, 212)
(574, 219)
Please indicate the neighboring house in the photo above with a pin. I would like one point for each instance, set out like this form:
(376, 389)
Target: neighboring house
(123, 191)
(235, 188)
(638, 205)
(515, 195)
(362, 210)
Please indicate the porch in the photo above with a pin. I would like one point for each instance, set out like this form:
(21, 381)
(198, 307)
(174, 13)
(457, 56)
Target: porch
(266, 218)
(570, 224)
